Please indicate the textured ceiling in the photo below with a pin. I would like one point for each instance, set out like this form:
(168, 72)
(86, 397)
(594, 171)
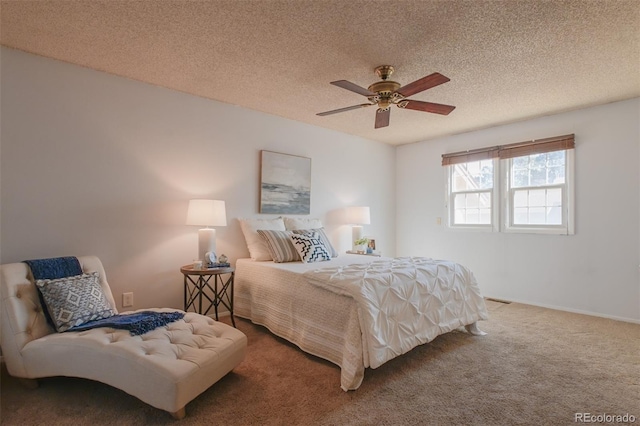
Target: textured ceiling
(507, 60)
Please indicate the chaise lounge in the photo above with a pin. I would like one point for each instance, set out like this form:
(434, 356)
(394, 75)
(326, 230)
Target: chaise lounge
(165, 368)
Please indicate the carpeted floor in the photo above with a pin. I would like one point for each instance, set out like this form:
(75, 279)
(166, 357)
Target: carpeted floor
(535, 367)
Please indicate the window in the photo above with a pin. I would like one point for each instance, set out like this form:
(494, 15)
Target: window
(471, 196)
(529, 185)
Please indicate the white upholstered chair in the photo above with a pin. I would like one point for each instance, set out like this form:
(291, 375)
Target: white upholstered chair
(165, 368)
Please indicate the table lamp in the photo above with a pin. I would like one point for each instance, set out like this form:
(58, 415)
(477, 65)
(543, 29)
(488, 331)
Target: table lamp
(206, 213)
(357, 216)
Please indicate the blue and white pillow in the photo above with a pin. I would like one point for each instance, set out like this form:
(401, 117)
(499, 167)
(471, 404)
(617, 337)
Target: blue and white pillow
(73, 301)
(310, 247)
(323, 237)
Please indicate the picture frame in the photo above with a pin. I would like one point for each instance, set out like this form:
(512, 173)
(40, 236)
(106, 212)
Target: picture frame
(285, 183)
(371, 246)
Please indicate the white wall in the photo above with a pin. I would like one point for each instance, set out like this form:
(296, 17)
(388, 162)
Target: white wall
(594, 271)
(96, 164)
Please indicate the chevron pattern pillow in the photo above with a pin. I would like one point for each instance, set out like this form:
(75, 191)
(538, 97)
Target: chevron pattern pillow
(323, 237)
(310, 247)
(76, 300)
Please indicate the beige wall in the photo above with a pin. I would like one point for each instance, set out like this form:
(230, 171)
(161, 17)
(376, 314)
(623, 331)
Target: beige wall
(96, 164)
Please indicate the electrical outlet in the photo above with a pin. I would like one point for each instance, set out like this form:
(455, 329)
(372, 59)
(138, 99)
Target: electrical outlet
(127, 299)
(438, 221)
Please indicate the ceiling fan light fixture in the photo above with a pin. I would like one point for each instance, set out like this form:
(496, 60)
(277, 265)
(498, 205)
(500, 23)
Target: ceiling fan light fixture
(385, 93)
(384, 103)
(384, 71)
(384, 87)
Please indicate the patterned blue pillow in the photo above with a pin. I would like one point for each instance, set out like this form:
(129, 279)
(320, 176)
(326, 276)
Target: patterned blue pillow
(310, 247)
(323, 237)
(76, 300)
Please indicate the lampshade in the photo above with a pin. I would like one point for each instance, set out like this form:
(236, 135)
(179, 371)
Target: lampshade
(358, 215)
(206, 213)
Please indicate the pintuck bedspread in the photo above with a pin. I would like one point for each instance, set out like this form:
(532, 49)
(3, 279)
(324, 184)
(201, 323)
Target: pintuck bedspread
(355, 311)
(404, 302)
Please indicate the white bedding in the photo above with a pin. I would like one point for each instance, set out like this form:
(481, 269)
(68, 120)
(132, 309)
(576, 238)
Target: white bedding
(318, 320)
(404, 302)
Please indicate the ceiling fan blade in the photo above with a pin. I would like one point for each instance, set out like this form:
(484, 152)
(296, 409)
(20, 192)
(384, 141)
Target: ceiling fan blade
(353, 87)
(426, 107)
(424, 83)
(382, 117)
(349, 108)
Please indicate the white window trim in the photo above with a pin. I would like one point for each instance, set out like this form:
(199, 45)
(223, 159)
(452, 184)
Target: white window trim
(568, 202)
(501, 204)
(494, 226)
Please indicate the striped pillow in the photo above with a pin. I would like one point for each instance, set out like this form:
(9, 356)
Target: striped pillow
(323, 238)
(280, 246)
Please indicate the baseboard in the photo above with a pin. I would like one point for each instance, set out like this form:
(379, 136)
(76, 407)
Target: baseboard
(491, 299)
(565, 309)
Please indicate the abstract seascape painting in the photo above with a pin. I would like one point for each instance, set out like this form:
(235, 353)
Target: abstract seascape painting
(285, 186)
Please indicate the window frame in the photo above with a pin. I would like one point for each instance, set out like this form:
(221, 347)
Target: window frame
(568, 200)
(495, 201)
(502, 205)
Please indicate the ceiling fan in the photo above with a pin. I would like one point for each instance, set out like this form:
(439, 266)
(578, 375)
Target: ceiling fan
(386, 92)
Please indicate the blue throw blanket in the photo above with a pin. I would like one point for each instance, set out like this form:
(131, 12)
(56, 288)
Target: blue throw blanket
(51, 269)
(62, 267)
(138, 323)
(54, 268)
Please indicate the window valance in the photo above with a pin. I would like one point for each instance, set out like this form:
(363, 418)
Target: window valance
(538, 146)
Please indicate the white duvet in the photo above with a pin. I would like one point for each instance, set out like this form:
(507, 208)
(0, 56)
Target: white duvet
(404, 302)
(329, 322)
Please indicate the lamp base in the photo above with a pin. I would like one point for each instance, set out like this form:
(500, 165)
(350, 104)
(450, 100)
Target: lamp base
(206, 242)
(356, 234)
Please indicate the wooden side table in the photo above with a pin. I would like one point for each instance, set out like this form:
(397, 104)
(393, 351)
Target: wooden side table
(198, 285)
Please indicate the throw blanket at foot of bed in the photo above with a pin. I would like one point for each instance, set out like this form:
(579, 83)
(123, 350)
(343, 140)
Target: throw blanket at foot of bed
(405, 302)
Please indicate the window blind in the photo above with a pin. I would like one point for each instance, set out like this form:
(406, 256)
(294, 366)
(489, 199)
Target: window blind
(538, 146)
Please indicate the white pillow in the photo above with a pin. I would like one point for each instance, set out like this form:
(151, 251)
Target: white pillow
(292, 223)
(310, 248)
(257, 246)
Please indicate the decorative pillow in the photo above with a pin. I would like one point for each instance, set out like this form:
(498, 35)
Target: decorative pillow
(323, 237)
(310, 248)
(280, 246)
(76, 300)
(258, 249)
(291, 223)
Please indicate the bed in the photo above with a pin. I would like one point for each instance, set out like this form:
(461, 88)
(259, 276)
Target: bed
(313, 305)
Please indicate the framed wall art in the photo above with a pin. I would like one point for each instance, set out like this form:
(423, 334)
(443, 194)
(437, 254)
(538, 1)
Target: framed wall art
(285, 183)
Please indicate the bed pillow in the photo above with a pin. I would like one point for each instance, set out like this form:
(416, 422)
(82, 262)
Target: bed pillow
(323, 237)
(258, 249)
(280, 246)
(292, 223)
(76, 300)
(310, 247)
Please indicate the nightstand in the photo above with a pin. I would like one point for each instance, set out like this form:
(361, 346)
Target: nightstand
(214, 285)
(364, 254)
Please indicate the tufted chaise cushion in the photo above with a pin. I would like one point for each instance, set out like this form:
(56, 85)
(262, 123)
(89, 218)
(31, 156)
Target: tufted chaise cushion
(165, 368)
